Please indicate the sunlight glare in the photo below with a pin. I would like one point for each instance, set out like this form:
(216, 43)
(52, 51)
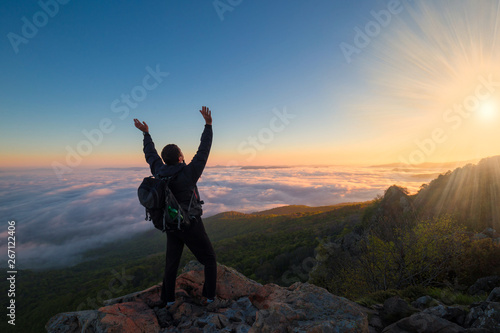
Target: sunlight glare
(488, 110)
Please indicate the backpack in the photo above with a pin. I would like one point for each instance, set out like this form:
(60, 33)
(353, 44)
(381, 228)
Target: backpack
(162, 208)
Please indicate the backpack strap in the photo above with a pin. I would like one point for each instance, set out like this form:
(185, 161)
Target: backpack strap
(193, 196)
(191, 201)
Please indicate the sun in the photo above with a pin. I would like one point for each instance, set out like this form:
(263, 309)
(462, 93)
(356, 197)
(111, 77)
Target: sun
(488, 110)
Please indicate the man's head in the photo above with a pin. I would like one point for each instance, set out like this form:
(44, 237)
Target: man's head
(172, 155)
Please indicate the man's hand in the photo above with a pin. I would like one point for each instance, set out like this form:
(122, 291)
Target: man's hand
(207, 115)
(142, 126)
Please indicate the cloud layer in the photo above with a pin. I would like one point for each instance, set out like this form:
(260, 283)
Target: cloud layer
(57, 221)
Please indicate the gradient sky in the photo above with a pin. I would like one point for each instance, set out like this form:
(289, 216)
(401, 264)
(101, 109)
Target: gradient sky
(249, 63)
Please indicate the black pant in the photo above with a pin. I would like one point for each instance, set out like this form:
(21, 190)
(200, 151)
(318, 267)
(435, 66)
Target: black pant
(198, 242)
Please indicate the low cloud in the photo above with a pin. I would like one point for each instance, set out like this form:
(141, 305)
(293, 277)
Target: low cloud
(57, 221)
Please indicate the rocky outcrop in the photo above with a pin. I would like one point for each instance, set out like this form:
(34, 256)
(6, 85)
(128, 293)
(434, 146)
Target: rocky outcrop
(251, 307)
(432, 316)
(484, 285)
(494, 295)
(423, 322)
(485, 315)
(395, 309)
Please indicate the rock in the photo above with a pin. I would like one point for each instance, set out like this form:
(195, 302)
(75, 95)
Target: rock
(423, 323)
(490, 232)
(163, 316)
(477, 330)
(376, 322)
(81, 321)
(485, 316)
(125, 317)
(395, 308)
(303, 307)
(484, 285)
(455, 314)
(474, 313)
(479, 236)
(150, 296)
(253, 308)
(230, 283)
(242, 328)
(424, 302)
(130, 317)
(494, 295)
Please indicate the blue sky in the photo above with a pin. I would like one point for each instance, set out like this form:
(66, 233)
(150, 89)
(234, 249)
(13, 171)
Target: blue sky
(263, 56)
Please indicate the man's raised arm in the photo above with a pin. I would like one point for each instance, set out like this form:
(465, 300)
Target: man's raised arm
(200, 159)
(152, 157)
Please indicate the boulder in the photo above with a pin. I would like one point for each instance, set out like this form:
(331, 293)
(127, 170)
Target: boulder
(395, 308)
(479, 236)
(490, 232)
(424, 302)
(125, 317)
(423, 323)
(81, 321)
(484, 316)
(303, 307)
(455, 314)
(494, 295)
(484, 285)
(251, 307)
(230, 283)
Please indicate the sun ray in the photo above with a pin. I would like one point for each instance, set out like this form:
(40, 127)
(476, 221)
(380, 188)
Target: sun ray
(430, 59)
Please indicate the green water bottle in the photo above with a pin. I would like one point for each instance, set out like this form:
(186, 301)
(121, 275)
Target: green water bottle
(172, 212)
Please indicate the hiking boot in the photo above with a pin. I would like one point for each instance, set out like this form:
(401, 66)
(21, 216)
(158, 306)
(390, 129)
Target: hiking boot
(217, 303)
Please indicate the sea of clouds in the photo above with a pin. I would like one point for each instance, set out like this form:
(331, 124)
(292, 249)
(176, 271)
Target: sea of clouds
(58, 220)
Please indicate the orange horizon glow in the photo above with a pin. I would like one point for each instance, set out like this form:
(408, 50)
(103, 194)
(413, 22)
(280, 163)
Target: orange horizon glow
(264, 159)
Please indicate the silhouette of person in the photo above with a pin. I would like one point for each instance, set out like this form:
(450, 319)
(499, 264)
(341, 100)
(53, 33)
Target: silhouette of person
(182, 186)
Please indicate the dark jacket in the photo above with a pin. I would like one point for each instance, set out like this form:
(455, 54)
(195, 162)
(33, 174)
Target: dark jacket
(183, 184)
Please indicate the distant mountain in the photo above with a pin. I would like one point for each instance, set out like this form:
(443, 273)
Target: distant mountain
(424, 165)
(125, 168)
(258, 167)
(299, 209)
(471, 194)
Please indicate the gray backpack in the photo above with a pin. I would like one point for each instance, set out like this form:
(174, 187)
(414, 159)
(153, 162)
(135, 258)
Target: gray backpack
(162, 208)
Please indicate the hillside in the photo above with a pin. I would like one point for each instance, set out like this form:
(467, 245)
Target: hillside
(299, 209)
(471, 194)
(443, 236)
(267, 248)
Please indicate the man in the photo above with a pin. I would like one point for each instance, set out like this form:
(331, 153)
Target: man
(182, 186)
